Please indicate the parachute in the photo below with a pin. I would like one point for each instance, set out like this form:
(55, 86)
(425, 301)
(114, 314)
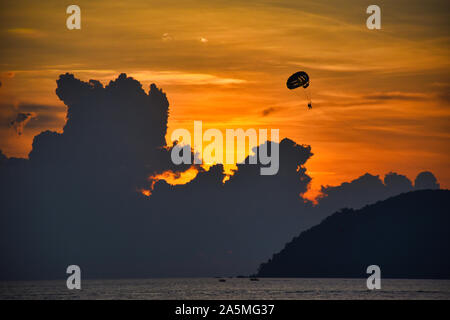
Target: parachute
(297, 80)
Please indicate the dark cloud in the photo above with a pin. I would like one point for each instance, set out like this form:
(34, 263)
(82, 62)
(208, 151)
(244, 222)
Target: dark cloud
(397, 183)
(269, 110)
(426, 180)
(369, 189)
(355, 194)
(444, 94)
(37, 108)
(44, 116)
(76, 200)
(21, 120)
(3, 158)
(31, 116)
(45, 120)
(249, 215)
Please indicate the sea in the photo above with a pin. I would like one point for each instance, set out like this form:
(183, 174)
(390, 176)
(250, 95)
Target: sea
(227, 288)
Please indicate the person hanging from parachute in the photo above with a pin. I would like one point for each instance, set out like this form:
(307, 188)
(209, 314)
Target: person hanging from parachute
(300, 79)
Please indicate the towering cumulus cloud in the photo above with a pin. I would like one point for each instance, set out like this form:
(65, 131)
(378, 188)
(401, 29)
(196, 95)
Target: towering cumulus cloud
(76, 200)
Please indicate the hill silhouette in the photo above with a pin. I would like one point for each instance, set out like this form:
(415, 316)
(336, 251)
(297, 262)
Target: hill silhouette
(407, 236)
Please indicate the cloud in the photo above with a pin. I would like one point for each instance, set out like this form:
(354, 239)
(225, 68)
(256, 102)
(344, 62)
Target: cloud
(21, 121)
(34, 116)
(184, 78)
(426, 180)
(397, 183)
(203, 40)
(91, 175)
(341, 99)
(8, 74)
(84, 195)
(443, 94)
(338, 67)
(369, 189)
(269, 110)
(3, 158)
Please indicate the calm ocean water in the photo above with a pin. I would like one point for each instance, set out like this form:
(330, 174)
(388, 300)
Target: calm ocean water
(211, 288)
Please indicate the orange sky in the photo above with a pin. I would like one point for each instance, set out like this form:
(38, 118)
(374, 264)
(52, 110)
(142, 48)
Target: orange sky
(380, 97)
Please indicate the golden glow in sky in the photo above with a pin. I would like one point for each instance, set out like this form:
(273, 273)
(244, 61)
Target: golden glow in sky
(380, 97)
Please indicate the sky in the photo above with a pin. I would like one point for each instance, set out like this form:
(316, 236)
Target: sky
(380, 97)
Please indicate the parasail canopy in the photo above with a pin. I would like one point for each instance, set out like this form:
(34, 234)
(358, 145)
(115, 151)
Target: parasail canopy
(298, 79)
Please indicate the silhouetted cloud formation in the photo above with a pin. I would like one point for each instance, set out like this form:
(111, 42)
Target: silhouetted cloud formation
(397, 183)
(369, 189)
(31, 116)
(76, 200)
(426, 180)
(21, 121)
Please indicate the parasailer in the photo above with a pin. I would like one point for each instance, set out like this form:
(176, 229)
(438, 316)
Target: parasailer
(300, 80)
